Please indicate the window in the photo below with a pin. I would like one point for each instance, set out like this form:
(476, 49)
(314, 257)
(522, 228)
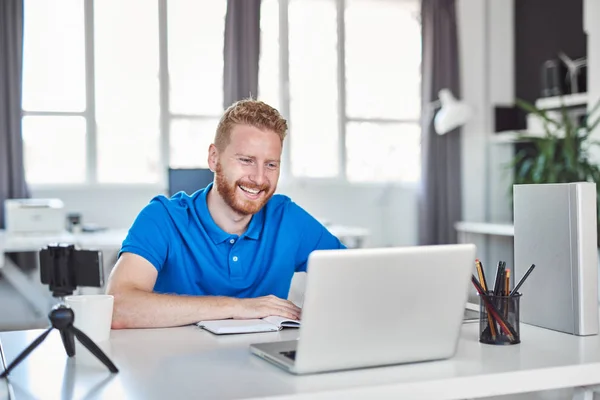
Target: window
(347, 76)
(196, 79)
(126, 91)
(54, 97)
(105, 103)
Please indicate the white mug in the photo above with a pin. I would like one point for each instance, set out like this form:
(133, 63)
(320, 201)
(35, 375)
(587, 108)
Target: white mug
(93, 314)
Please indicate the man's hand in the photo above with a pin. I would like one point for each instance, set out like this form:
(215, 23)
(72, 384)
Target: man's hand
(261, 307)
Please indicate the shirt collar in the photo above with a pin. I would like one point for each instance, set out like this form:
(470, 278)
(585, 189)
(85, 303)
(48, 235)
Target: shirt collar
(217, 234)
(256, 224)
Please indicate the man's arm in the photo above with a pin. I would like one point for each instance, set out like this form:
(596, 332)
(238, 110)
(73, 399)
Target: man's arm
(313, 236)
(132, 280)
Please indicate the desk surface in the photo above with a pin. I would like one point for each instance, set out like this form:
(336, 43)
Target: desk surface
(188, 362)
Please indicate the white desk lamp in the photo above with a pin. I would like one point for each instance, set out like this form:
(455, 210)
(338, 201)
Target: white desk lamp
(452, 114)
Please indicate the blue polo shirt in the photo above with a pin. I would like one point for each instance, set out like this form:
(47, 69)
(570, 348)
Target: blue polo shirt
(193, 256)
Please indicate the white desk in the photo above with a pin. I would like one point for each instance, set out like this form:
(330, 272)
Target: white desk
(187, 362)
(351, 236)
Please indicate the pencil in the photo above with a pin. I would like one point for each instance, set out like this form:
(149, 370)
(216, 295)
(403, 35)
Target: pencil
(506, 292)
(480, 272)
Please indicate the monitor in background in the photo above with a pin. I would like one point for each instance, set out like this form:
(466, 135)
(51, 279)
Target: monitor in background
(188, 180)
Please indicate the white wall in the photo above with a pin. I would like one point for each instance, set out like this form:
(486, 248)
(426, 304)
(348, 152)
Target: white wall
(108, 206)
(390, 213)
(472, 34)
(486, 38)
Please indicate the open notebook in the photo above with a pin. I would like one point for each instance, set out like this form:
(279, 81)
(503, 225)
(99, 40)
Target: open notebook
(229, 326)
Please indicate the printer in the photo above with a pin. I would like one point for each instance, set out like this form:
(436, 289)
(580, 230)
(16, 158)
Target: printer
(27, 216)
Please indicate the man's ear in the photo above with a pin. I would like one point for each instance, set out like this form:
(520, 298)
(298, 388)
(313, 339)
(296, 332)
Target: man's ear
(213, 157)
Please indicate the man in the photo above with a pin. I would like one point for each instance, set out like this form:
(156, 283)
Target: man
(227, 251)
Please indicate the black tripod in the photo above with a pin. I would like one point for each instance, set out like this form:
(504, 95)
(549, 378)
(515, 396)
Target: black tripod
(59, 265)
(62, 318)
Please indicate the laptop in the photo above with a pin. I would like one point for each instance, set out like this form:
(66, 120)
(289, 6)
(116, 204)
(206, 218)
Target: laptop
(375, 307)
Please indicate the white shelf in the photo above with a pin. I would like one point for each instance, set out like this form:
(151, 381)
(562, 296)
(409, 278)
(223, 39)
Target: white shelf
(485, 228)
(512, 136)
(556, 102)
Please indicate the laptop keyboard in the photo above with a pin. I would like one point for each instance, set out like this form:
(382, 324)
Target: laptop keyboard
(289, 354)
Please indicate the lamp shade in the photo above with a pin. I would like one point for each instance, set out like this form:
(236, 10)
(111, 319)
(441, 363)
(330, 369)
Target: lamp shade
(452, 114)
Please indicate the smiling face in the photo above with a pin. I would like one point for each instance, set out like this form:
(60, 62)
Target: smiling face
(247, 169)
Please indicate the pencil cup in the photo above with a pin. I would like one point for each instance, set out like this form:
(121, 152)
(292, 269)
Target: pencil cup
(499, 319)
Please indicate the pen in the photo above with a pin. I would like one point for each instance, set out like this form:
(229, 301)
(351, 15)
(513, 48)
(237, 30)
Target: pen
(514, 291)
(499, 276)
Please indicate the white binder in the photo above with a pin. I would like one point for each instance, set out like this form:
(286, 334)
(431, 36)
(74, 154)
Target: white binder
(556, 229)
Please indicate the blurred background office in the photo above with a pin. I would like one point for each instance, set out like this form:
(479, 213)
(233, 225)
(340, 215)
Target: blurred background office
(107, 103)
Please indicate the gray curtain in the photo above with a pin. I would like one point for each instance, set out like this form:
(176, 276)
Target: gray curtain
(440, 199)
(12, 172)
(241, 50)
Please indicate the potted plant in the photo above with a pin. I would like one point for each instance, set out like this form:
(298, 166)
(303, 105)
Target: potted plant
(562, 154)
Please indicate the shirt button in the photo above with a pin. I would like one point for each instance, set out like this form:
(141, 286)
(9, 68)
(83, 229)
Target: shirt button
(232, 241)
(235, 258)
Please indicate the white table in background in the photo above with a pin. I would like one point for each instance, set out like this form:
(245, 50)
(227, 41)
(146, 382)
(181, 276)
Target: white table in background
(351, 236)
(187, 362)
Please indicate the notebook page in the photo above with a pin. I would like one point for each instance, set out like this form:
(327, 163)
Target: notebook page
(282, 322)
(228, 326)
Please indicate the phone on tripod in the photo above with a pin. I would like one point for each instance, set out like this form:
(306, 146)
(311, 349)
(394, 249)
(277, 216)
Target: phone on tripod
(63, 268)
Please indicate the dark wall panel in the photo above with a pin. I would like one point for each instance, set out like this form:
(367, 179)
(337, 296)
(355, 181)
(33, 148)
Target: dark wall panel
(542, 29)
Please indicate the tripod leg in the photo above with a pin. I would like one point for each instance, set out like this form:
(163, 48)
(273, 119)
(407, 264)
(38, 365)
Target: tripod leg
(26, 352)
(68, 341)
(94, 349)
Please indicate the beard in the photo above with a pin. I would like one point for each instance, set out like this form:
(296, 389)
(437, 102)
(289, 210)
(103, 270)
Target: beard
(235, 200)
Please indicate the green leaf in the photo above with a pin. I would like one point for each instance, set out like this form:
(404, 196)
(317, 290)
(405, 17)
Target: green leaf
(593, 109)
(561, 155)
(567, 125)
(591, 128)
(524, 173)
(516, 160)
(525, 105)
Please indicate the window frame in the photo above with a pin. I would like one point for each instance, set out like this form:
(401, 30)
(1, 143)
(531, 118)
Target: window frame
(343, 118)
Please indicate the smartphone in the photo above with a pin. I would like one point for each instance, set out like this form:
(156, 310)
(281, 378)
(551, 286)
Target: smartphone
(67, 267)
